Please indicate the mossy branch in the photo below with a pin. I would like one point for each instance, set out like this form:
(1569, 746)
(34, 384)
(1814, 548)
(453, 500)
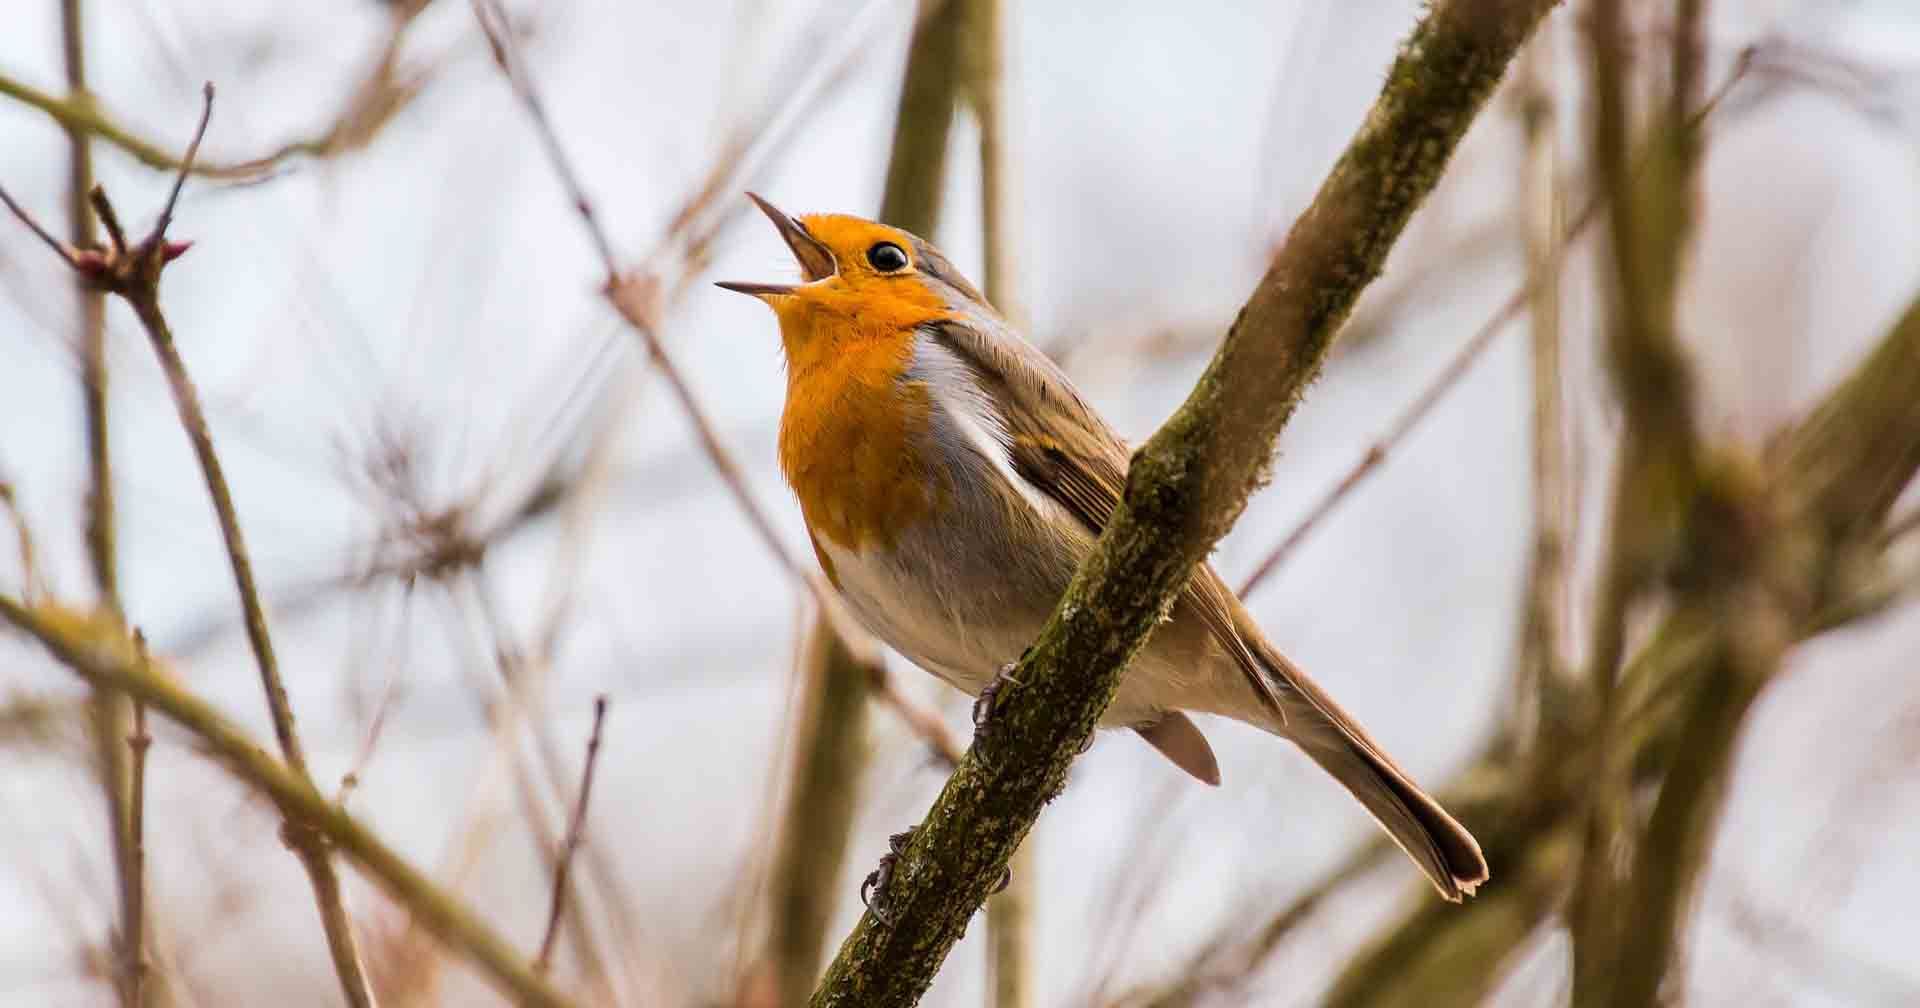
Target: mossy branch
(1185, 488)
(1838, 473)
(105, 656)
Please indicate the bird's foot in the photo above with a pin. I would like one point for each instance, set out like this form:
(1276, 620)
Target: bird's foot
(873, 891)
(983, 704)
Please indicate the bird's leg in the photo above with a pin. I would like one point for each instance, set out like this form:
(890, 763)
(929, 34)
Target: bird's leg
(873, 891)
(983, 704)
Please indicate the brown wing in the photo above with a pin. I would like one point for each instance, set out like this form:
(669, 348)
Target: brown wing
(1060, 445)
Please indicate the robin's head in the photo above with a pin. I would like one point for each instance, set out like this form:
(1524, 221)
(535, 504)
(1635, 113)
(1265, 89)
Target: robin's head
(860, 280)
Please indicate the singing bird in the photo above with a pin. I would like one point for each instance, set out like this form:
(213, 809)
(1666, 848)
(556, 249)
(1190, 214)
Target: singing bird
(952, 480)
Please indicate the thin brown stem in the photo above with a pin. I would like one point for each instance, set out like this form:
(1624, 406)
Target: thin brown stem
(1377, 453)
(133, 272)
(120, 778)
(165, 219)
(59, 248)
(1542, 661)
(638, 297)
(576, 828)
(922, 721)
(135, 913)
(1010, 911)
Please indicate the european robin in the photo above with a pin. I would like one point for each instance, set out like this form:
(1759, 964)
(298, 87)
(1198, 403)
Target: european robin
(952, 480)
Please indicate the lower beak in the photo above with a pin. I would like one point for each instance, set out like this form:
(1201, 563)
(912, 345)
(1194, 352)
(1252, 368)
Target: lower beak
(755, 289)
(816, 260)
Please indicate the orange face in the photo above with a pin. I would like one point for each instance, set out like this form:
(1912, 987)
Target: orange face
(862, 285)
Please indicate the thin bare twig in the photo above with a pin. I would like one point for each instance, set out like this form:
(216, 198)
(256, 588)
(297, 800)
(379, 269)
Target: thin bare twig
(1541, 661)
(23, 539)
(1010, 966)
(576, 827)
(1456, 367)
(133, 273)
(923, 722)
(637, 296)
(59, 247)
(134, 939)
(121, 787)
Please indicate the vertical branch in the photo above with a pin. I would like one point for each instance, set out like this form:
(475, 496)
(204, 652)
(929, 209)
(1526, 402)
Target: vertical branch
(985, 89)
(91, 304)
(830, 748)
(135, 886)
(1541, 660)
(1010, 911)
(1657, 476)
(916, 171)
(107, 710)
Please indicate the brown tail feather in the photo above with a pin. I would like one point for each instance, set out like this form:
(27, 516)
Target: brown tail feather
(1437, 843)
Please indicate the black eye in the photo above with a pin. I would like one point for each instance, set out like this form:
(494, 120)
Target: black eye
(887, 257)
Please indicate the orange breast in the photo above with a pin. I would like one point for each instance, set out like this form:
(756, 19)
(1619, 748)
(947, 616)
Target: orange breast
(853, 441)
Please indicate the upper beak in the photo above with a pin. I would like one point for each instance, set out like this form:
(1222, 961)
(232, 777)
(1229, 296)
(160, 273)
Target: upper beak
(816, 260)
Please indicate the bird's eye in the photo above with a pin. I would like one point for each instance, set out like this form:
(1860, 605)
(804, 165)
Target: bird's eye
(887, 257)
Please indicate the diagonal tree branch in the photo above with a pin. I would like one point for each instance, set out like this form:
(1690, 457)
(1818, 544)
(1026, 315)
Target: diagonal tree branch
(119, 764)
(104, 655)
(1185, 488)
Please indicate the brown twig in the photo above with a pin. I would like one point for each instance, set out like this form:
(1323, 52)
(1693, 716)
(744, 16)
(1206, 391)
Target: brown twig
(121, 787)
(638, 297)
(1541, 661)
(576, 828)
(134, 938)
(132, 271)
(23, 541)
(1457, 366)
(923, 722)
(522, 676)
(1010, 911)
(60, 248)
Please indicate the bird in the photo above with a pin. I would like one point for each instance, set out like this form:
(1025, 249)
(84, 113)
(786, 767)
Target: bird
(951, 479)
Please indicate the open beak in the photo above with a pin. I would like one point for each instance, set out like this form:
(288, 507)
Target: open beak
(816, 261)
